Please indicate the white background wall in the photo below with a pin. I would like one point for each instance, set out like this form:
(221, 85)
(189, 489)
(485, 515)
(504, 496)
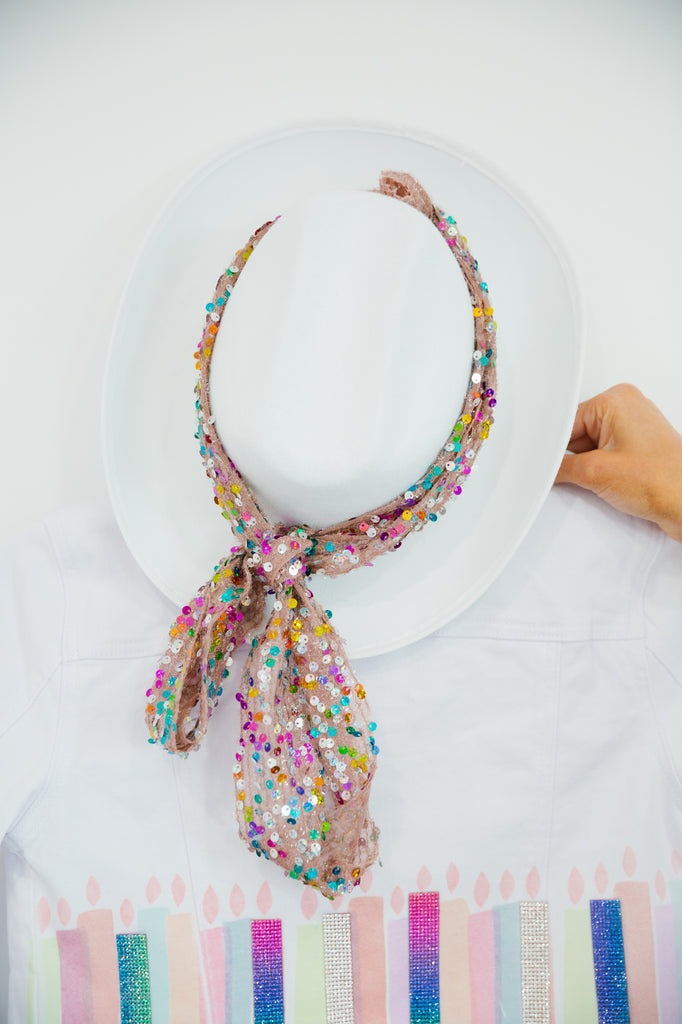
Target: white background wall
(105, 108)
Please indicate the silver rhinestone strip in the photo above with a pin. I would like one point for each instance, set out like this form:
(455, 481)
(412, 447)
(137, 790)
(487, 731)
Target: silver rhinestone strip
(338, 968)
(535, 963)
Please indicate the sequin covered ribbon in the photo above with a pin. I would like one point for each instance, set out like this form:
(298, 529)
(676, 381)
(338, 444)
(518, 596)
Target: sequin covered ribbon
(307, 753)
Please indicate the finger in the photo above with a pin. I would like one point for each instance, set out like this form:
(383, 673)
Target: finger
(581, 444)
(581, 469)
(589, 420)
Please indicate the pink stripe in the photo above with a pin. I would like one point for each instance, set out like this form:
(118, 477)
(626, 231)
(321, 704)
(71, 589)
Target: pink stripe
(213, 947)
(667, 968)
(99, 928)
(369, 953)
(638, 942)
(455, 992)
(482, 967)
(183, 970)
(399, 971)
(74, 968)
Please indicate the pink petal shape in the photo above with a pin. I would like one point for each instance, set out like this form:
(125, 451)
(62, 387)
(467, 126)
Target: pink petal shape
(308, 902)
(92, 891)
(366, 880)
(63, 911)
(153, 890)
(452, 877)
(576, 886)
(264, 898)
(210, 905)
(601, 878)
(533, 882)
(676, 862)
(424, 879)
(237, 901)
(661, 887)
(178, 889)
(629, 862)
(127, 913)
(507, 884)
(397, 899)
(481, 889)
(337, 902)
(44, 914)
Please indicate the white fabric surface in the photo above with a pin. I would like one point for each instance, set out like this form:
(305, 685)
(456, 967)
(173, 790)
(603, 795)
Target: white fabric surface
(538, 730)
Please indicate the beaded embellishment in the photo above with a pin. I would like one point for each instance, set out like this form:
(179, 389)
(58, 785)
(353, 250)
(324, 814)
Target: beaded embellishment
(307, 753)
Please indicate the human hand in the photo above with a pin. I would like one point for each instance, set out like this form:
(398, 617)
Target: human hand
(623, 449)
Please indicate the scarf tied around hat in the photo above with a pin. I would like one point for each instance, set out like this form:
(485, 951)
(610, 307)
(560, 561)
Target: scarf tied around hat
(307, 751)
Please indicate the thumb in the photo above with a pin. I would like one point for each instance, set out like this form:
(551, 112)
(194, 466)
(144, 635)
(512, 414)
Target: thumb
(584, 470)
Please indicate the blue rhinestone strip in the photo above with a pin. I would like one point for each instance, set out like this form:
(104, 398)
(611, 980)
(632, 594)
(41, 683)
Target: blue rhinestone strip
(609, 962)
(133, 976)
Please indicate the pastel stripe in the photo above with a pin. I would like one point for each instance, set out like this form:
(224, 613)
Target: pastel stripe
(536, 972)
(76, 983)
(239, 996)
(507, 933)
(98, 926)
(399, 971)
(152, 923)
(638, 943)
(455, 994)
(669, 1006)
(268, 972)
(338, 968)
(227, 950)
(609, 962)
(213, 951)
(133, 972)
(310, 1004)
(31, 984)
(482, 967)
(580, 991)
(675, 890)
(424, 958)
(183, 970)
(369, 957)
(49, 988)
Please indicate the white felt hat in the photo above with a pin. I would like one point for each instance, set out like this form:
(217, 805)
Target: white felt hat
(339, 368)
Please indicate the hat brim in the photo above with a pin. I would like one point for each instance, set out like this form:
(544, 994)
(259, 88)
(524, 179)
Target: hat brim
(159, 493)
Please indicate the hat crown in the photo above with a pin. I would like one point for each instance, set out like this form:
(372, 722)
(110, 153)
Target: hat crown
(343, 356)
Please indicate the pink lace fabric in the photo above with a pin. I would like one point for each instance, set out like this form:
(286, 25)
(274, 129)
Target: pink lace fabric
(307, 753)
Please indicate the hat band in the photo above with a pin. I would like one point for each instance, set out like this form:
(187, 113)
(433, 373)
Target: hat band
(307, 753)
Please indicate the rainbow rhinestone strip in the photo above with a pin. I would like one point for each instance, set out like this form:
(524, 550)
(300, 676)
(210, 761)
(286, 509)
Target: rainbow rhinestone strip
(609, 962)
(424, 957)
(133, 975)
(268, 972)
(535, 963)
(338, 968)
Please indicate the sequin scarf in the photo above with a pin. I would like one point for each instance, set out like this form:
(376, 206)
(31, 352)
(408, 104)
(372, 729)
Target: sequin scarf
(307, 752)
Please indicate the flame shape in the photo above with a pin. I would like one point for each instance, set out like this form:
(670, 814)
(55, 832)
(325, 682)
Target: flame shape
(629, 861)
(63, 911)
(127, 913)
(210, 905)
(237, 901)
(424, 879)
(397, 900)
(481, 889)
(576, 886)
(264, 898)
(533, 882)
(308, 902)
(661, 887)
(452, 877)
(676, 862)
(178, 889)
(601, 878)
(366, 880)
(92, 891)
(44, 914)
(507, 884)
(153, 890)
(337, 902)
